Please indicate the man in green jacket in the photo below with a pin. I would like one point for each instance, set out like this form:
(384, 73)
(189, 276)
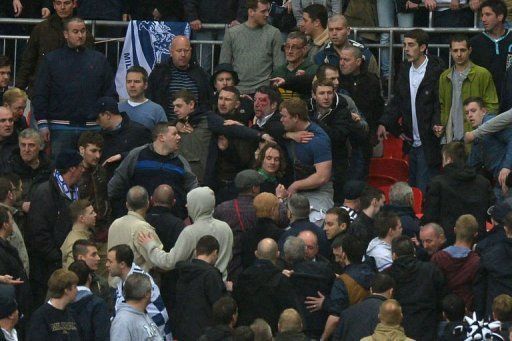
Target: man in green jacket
(457, 83)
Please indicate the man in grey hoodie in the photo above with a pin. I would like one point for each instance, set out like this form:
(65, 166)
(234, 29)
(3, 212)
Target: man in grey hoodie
(200, 205)
(131, 322)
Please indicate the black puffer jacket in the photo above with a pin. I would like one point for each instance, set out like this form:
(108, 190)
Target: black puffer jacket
(460, 190)
(419, 289)
(30, 177)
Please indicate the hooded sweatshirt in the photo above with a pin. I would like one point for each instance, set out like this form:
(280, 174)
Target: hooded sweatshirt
(381, 252)
(460, 266)
(200, 204)
(387, 333)
(91, 315)
(131, 324)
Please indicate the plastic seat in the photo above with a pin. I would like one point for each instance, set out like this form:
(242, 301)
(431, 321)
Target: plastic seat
(396, 168)
(377, 180)
(418, 200)
(393, 148)
(386, 190)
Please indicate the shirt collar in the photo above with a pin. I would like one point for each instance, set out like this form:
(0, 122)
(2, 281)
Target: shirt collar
(421, 68)
(261, 121)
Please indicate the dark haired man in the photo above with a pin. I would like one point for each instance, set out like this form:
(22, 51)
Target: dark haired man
(138, 108)
(491, 49)
(314, 25)
(5, 76)
(416, 103)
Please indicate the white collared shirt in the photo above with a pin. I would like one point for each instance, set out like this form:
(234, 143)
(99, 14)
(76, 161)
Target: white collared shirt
(261, 122)
(415, 78)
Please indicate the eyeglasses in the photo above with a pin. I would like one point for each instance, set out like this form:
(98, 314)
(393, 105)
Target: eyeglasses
(288, 47)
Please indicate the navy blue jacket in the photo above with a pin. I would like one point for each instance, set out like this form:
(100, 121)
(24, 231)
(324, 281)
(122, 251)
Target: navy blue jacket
(92, 318)
(102, 9)
(69, 83)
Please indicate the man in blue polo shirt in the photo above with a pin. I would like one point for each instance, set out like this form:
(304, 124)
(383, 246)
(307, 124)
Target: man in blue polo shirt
(312, 161)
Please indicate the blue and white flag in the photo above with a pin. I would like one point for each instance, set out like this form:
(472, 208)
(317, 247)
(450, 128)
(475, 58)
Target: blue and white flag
(146, 44)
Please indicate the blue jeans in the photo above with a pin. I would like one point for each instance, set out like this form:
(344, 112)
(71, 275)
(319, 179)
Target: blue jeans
(420, 173)
(204, 52)
(386, 13)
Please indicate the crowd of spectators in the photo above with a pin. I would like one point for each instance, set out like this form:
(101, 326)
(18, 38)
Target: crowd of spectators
(238, 206)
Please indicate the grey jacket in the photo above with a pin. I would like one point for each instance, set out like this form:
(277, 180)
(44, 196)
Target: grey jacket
(133, 325)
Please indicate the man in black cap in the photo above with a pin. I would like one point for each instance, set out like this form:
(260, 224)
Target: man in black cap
(9, 316)
(496, 234)
(224, 76)
(240, 215)
(120, 134)
(352, 191)
(49, 221)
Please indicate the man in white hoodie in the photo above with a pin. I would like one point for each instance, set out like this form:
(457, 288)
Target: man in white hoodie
(200, 205)
(132, 323)
(388, 227)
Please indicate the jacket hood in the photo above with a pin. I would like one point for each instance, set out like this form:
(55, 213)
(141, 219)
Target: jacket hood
(82, 299)
(262, 274)
(128, 308)
(454, 259)
(377, 243)
(404, 268)
(312, 104)
(190, 270)
(400, 210)
(362, 273)
(196, 116)
(460, 173)
(200, 203)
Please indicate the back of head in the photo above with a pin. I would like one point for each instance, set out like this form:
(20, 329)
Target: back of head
(136, 287)
(369, 194)
(206, 245)
(265, 205)
(163, 195)
(5, 187)
(262, 330)
(400, 194)
(267, 249)
(77, 208)
(294, 249)
(382, 282)
(290, 321)
(82, 271)
(137, 198)
(299, 206)
(123, 254)
(59, 281)
(200, 202)
(466, 228)
(402, 246)
(224, 310)
(296, 108)
(385, 220)
(453, 308)
(502, 308)
(353, 248)
(243, 333)
(390, 313)
(456, 152)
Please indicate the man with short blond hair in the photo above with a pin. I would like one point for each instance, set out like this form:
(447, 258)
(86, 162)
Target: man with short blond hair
(84, 218)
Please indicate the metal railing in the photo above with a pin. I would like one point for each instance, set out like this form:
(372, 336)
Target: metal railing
(12, 42)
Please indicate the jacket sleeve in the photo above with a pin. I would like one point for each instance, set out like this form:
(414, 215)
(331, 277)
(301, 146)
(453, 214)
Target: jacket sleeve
(338, 299)
(277, 55)
(42, 94)
(101, 321)
(120, 329)
(38, 330)
(297, 10)
(432, 211)
(190, 7)
(505, 136)
(226, 52)
(216, 125)
(108, 87)
(494, 125)
(182, 250)
(215, 287)
(190, 178)
(29, 60)
(119, 184)
(489, 94)
(389, 118)
(480, 291)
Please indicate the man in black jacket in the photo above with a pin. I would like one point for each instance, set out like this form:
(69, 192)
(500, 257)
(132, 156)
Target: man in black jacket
(11, 264)
(178, 73)
(262, 290)
(49, 221)
(331, 113)
(199, 286)
(459, 190)
(419, 289)
(361, 319)
(418, 79)
(120, 134)
(69, 82)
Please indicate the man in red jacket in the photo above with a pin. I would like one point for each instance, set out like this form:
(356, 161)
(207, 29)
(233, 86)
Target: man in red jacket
(458, 262)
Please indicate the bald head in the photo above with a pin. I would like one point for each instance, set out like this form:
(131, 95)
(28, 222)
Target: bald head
(390, 313)
(181, 52)
(290, 321)
(432, 237)
(267, 249)
(137, 199)
(311, 241)
(163, 196)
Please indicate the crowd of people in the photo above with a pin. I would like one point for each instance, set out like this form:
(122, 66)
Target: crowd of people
(238, 206)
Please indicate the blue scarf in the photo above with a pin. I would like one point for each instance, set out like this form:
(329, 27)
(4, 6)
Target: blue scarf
(72, 193)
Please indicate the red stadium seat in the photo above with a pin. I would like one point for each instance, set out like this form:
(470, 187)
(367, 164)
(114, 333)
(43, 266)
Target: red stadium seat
(386, 190)
(393, 148)
(377, 180)
(418, 200)
(396, 168)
